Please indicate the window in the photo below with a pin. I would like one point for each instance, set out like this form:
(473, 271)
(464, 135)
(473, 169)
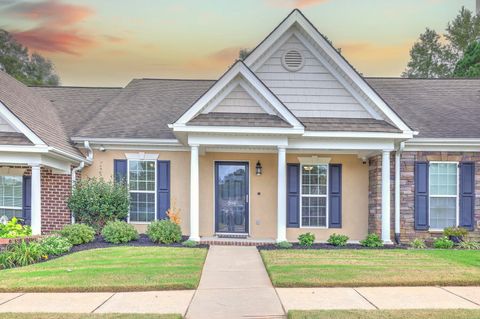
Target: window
(141, 181)
(11, 196)
(314, 192)
(443, 181)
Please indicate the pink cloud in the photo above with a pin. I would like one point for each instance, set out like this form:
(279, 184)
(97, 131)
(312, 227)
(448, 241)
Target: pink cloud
(218, 60)
(57, 27)
(295, 3)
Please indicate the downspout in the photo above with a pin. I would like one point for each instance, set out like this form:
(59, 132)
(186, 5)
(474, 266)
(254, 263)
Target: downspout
(398, 155)
(89, 157)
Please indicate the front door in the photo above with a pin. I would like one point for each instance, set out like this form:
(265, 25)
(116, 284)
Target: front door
(231, 197)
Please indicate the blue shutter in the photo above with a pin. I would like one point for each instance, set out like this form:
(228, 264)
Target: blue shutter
(293, 195)
(27, 200)
(467, 195)
(421, 196)
(120, 170)
(335, 196)
(163, 188)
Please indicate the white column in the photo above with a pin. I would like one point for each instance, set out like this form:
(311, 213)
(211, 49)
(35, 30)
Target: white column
(386, 197)
(282, 196)
(36, 201)
(194, 194)
(397, 192)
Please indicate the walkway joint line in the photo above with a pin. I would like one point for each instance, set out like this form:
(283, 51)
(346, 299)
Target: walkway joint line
(460, 296)
(374, 305)
(22, 294)
(104, 302)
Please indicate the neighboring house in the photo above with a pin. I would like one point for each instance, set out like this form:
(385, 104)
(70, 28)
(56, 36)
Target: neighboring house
(291, 140)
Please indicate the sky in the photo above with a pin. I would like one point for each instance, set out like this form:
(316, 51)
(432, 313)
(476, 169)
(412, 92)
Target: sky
(110, 42)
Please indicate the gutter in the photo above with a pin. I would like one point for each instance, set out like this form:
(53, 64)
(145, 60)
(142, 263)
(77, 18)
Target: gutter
(77, 169)
(398, 155)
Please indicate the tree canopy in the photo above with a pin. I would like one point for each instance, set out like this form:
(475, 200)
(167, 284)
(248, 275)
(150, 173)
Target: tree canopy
(469, 65)
(31, 69)
(436, 56)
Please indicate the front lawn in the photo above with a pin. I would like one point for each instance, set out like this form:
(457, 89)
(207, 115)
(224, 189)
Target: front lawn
(111, 269)
(354, 268)
(385, 314)
(84, 316)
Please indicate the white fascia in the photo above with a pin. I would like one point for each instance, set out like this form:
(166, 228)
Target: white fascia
(443, 144)
(297, 18)
(15, 122)
(239, 68)
(341, 144)
(240, 130)
(237, 140)
(403, 136)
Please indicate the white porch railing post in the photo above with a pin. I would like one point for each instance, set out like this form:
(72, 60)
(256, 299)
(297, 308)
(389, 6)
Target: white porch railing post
(36, 217)
(282, 196)
(194, 194)
(386, 197)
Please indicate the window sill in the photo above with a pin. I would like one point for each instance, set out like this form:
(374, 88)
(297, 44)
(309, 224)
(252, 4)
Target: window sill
(312, 227)
(435, 231)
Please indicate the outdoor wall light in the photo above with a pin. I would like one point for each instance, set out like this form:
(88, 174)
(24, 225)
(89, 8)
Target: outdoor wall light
(258, 168)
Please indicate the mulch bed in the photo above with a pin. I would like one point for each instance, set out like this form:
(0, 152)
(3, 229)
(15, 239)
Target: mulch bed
(143, 241)
(322, 246)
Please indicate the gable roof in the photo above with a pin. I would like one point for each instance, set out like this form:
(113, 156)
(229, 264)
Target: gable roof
(436, 108)
(36, 113)
(239, 69)
(239, 119)
(332, 59)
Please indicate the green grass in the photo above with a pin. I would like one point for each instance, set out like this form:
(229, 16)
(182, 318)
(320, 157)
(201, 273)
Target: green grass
(110, 269)
(385, 314)
(354, 268)
(84, 316)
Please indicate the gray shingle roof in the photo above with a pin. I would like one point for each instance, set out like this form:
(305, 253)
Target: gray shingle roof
(14, 138)
(443, 108)
(35, 112)
(144, 108)
(239, 119)
(76, 106)
(344, 124)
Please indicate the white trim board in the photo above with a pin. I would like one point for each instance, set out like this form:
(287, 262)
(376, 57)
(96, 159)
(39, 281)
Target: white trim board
(298, 20)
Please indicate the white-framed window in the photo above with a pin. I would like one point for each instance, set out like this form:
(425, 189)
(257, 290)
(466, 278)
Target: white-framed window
(314, 195)
(142, 187)
(443, 193)
(11, 196)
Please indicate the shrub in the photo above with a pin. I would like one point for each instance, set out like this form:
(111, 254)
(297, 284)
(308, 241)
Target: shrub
(13, 229)
(21, 254)
(95, 202)
(338, 240)
(78, 234)
(455, 234)
(119, 232)
(55, 245)
(372, 240)
(190, 243)
(164, 231)
(418, 243)
(443, 243)
(306, 240)
(469, 244)
(173, 213)
(284, 245)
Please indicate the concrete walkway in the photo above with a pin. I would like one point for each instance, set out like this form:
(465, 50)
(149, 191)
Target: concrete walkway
(235, 284)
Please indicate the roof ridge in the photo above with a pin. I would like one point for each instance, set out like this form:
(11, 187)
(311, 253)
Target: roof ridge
(74, 87)
(170, 79)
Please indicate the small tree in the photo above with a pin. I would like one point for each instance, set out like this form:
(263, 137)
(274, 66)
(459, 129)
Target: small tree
(95, 202)
(469, 65)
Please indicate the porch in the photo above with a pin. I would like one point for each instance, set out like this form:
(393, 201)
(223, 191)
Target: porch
(260, 209)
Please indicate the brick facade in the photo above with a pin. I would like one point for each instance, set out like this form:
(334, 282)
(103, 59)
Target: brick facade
(407, 191)
(54, 193)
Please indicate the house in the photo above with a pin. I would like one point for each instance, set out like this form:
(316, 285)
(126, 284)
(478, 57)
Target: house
(288, 141)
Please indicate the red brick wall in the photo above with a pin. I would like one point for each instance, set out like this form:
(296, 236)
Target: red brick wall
(56, 188)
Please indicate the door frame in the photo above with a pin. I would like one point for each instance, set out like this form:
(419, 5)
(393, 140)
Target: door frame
(216, 164)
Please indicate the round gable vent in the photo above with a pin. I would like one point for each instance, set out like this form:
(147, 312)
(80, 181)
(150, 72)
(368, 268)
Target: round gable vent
(292, 60)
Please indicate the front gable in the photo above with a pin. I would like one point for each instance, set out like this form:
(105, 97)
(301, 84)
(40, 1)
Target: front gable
(325, 85)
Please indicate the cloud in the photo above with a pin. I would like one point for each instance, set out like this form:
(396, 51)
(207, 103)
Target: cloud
(218, 60)
(295, 3)
(113, 38)
(57, 27)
